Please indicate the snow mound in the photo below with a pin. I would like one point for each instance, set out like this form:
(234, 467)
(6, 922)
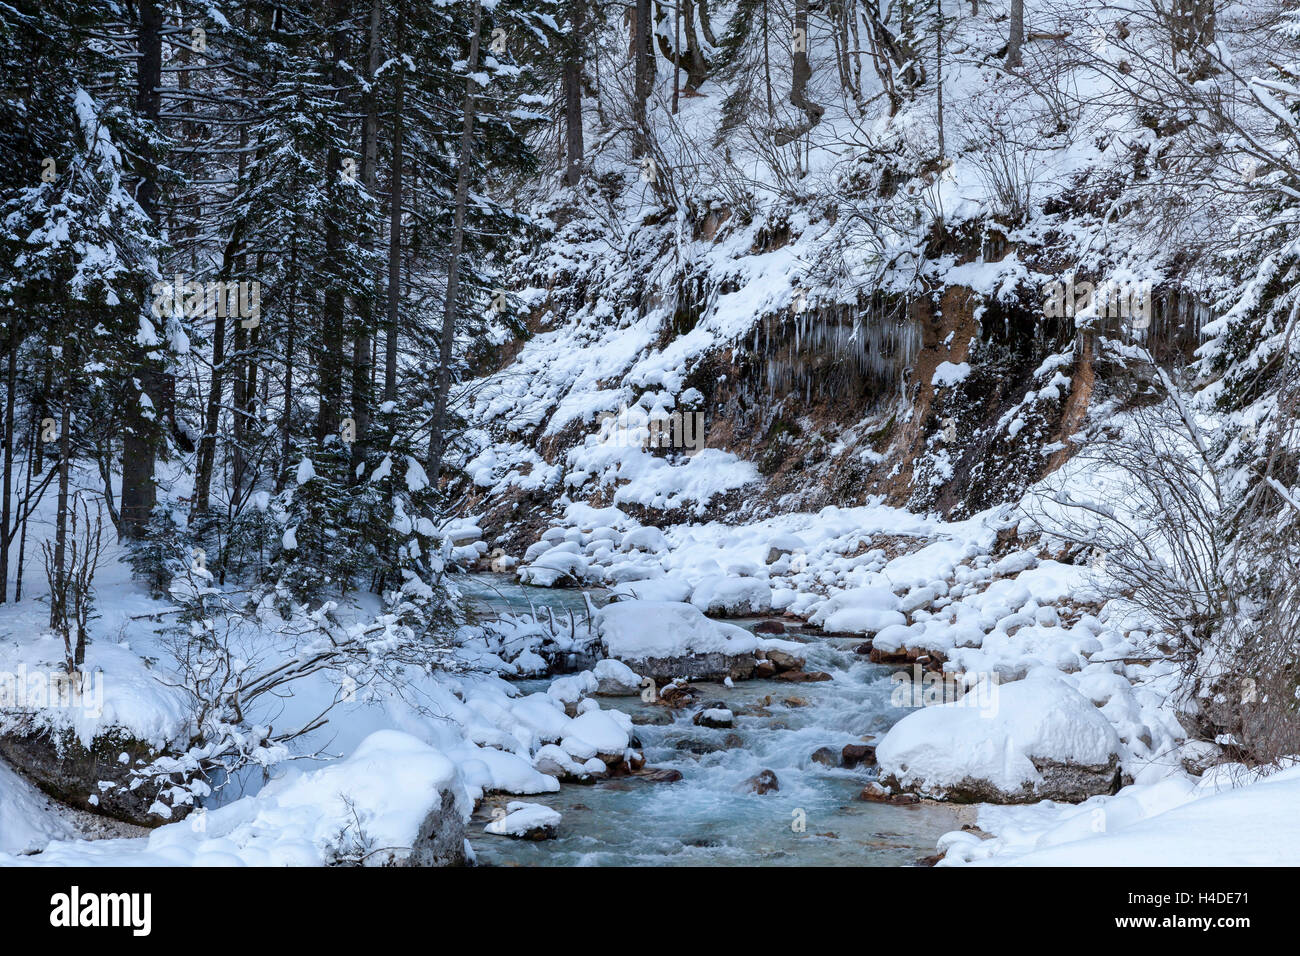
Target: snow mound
(373, 808)
(859, 611)
(1037, 738)
(27, 820)
(637, 630)
(523, 819)
(733, 596)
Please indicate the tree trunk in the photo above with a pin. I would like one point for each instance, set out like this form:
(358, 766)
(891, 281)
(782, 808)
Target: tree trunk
(395, 231)
(1016, 38)
(697, 68)
(365, 313)
(212, 414)
(573, 147)
(802, 73)
(139, 435)
(334, 300)
(59, 580)
(643, 64)
(6, 534)
(437, 440)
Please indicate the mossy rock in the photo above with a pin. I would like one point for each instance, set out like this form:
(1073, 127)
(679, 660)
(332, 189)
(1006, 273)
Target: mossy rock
(70, 772)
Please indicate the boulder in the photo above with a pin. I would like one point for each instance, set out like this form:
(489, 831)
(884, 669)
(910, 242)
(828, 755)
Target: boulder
(1034, 739)
(440, 841)
(803, 677)
(784, 661)
(857, 755)
(668, 639)
(763, 782)
(718, 718)
(616, 679)
(660, 775)
(826, 756)
(525, 821)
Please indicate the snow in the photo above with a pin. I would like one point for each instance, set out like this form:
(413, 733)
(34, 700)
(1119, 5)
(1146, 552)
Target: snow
(1231, 817)
(27, 820)
(521, 818)
(368, 807)
(607, 731)
(637, 630)
(732, 596)
(1041, 716)
(947, 374)
(862, 610)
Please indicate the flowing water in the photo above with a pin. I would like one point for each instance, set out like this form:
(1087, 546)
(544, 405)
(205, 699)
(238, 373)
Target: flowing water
(709, 817)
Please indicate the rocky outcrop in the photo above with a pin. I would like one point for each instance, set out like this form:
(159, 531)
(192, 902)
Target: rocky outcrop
(1063, 781)
(95, 778)
(440, 840)
(711, 667)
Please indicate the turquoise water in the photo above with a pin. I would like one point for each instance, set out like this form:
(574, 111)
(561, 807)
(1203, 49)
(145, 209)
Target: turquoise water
(708, 818)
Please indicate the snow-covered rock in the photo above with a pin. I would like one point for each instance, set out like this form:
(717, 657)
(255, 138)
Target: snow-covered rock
(1035, 739)
(526, 821)
(394, 801)
(859, 611)
(556, 566)
(732, 596)
(616, 679)
(606, 731)
(665, 639)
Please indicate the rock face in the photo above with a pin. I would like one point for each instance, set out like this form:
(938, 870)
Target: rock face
(1035, 739)
(63, 767)
(441, 837)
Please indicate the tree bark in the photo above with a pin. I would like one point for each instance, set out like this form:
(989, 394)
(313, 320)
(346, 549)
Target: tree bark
(438, 438)
(573, 147)
(334, 300)
(139, 435)
(212, 414)
(643, 69)
(1016, 37)
(395, 231)
(6, 534)
(365, 313)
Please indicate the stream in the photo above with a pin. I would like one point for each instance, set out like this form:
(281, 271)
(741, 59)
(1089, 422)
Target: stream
(708, 818)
